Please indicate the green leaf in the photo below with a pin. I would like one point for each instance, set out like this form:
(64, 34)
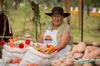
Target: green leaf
(1, 47)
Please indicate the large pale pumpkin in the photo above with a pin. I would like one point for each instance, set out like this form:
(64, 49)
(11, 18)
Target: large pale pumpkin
(68, 62)
(79, 48)
(96, 44)
(78, 55)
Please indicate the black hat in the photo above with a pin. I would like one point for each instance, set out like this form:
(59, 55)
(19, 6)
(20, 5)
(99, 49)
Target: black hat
(58, 10)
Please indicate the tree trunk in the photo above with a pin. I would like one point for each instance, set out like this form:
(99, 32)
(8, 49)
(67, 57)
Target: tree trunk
(36, 18)
(16, 3)
(68, 5)
(1, 4)
(80, 17)
(98, 26)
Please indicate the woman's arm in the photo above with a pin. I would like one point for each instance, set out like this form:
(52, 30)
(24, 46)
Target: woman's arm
(65, 38)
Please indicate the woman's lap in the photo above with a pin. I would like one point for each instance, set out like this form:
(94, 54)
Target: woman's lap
(63, 51)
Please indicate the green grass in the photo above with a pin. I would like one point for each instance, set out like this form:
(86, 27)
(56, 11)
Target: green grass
(90, 25)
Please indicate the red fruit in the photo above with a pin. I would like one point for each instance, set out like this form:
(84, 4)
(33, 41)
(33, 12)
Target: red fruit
(21, 45)
(42, 51)
(18, 60)
(48, 46)
(15, 39)
(11, 45)
(11, 40)
(54, 49)
(2, 42)
(27, 64)
(27, 41)
(31, 64)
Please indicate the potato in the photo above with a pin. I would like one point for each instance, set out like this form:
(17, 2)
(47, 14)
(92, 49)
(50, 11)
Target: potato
(79, 48)
(78, 55)
(56, 63)
(62, 59)
(97, 63)
(95, 44)
(68, 62)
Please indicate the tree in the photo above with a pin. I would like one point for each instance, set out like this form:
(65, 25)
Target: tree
(68, 5)
(80, 17)
(36, 10)
(1, 4)
(16, 3)
(36, 18)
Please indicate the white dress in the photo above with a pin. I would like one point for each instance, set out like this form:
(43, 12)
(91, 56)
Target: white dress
(53, 40)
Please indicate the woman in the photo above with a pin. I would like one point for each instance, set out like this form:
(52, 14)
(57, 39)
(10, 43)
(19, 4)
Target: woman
(57, 32)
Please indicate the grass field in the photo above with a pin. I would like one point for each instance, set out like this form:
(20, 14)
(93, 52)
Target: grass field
(21, 21)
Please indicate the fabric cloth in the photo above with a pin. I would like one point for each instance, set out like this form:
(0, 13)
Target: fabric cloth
(50, 37)
(64, 27)
(33, 56)
(87, 60)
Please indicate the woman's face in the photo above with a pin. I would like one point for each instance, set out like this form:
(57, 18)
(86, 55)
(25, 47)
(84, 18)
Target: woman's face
(57, 19)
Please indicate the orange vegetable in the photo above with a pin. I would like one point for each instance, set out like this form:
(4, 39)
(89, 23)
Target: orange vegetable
(15, 60)
(42, 51)
(31, 64)
(11, 40)
(15, 38)
(50, 48)
(28, 65)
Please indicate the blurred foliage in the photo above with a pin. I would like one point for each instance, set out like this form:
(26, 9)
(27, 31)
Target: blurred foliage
(8, 3)
(96, 3)
(74, 3)
(47, 2)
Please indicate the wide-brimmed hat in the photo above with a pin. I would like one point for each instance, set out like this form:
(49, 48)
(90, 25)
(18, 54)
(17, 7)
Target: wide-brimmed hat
(58, 10)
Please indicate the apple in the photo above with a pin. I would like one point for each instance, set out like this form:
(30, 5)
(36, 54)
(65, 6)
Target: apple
(21, 45)
(27, 41)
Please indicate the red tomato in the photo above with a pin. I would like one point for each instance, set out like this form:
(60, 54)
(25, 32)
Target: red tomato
(27, 41)
(11, 45)
(21, 45)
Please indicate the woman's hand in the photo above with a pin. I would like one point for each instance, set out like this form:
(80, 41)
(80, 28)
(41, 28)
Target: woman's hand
(37, 44)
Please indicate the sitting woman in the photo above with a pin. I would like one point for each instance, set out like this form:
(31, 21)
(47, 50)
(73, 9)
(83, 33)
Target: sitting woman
(57, 32)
